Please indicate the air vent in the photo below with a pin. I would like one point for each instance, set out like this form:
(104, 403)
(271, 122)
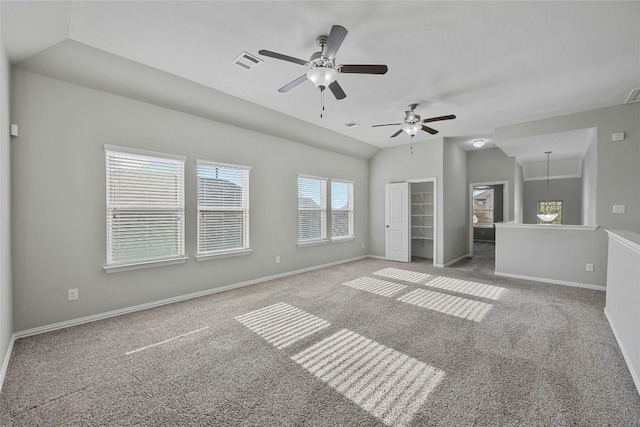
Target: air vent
(247, 61)
(352, 125)
(634, 96)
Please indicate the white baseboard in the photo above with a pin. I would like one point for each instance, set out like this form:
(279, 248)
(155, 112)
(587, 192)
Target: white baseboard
(625, 354)
(376, 257)
(552, 281)
(5, 361)
(100, 316)
(453, 261)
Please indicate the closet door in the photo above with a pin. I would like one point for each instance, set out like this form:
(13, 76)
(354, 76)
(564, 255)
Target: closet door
(397, 222)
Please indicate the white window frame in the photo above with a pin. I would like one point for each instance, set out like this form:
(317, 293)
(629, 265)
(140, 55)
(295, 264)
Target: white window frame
(244, 209)
(113, 206)
(322, 209)
(349, 209)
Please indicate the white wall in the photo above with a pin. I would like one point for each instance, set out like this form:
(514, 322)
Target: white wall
(568, 190)
(397, 164)
(6, 308)
(590, 184)
(58, 208)
(518, 194)
(455, 205)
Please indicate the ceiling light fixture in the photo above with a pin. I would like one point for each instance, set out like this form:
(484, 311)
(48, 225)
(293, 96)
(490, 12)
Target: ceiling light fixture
(478, 143)
(412, 129)
(322, 77)
(547, 216)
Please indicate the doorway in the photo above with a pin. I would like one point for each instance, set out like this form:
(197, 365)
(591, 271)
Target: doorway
(488, 205)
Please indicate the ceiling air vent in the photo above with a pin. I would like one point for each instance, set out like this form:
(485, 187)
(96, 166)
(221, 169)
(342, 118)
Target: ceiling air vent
(247, 61)
(634, 96)
(352, 124)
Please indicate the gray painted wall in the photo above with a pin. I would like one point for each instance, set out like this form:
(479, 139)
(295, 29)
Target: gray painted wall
(618, 163)
(397, 164)
(590, 184)
(58, 206)
(518, 194)
(6, 307)
(568, 190)
(490, 165)
(455, 202)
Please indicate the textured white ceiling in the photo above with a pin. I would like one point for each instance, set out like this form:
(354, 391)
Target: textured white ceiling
(489, 63)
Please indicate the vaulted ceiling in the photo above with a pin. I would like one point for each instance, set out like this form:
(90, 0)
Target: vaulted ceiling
(489, 63)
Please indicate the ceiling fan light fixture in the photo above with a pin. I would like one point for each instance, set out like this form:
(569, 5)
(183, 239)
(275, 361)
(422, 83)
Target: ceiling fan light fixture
(412, 129)
(322, 77)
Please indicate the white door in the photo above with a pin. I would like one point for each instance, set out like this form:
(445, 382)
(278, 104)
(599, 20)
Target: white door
(397, 222)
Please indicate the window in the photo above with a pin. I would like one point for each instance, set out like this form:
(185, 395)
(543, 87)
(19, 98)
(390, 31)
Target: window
(312, 209)
(555, 206)
(483, 206)
(341, 209)
(145, 207)
(223, 208)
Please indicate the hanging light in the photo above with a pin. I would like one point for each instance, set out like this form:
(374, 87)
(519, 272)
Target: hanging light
(547, 216)
(322, 77)
(412, 129)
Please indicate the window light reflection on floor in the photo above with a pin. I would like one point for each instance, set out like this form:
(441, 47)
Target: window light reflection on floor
(386, 383)
(404, 275)
(375, 286)
(282, 324)
(448, 304)
(467, 287)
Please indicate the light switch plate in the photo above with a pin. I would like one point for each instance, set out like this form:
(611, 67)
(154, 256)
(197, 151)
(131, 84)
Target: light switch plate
(619, 209)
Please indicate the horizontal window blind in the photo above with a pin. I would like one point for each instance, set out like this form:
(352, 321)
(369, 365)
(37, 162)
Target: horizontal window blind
(223, 207)
(312, 209)
(341, 209)
(145, 206)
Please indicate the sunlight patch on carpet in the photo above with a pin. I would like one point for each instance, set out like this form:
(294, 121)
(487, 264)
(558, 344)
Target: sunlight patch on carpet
(404, 275)
(388, 384)
(448, 304)
(467, 287)
(282, 324)
(166, 341)
(375, 286)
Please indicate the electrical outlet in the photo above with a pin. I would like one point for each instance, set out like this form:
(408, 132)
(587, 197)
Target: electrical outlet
(619, 209)
(589, 267)
(277, 260)
(73, 294)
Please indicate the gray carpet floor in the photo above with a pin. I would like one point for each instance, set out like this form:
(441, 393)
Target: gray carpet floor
(367, 343)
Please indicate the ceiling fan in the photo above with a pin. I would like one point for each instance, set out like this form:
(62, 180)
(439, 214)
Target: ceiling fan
(413, 123)
(323, 68)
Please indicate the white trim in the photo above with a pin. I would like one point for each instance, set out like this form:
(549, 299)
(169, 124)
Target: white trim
(223, 165)
(100, 316)
(228, 254)
(455, 260)
(313, 243)
(625, 354)
(5, 361)
(377, 257)
(127, 150)
(146, 264)
(626, 238)
(561, 227)
(342, 239)
(552, 281)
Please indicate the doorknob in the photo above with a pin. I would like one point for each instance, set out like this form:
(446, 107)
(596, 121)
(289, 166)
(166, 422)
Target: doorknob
(387, 226)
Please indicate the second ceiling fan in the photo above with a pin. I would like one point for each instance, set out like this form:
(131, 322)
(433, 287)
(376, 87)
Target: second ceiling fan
(413, 123)
(323, 68)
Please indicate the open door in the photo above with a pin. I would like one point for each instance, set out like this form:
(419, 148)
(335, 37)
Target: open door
(397, 222)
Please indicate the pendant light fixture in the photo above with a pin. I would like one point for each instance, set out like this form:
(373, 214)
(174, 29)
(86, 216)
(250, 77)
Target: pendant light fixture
(547, 216)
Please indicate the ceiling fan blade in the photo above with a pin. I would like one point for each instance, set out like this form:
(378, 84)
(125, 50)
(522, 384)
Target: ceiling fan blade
(429, 130)
(387, 124)
(364, 69)
(292, 84)
(437, 119)
(277, 55)
(396, 134)
(336, 37)
(337, 91)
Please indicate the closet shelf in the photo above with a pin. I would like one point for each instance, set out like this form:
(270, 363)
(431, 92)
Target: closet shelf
(421, 238)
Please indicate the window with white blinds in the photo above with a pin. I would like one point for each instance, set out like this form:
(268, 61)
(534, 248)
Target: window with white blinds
(145, 206)
(223, 208)
(312, 209)
(341, 209)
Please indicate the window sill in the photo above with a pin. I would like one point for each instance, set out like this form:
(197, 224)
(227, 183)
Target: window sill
(312, 243)
(145, 264)
(343, 239)
(220, 255)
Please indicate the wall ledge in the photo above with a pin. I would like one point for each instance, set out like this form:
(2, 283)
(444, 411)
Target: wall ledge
(628, 238)
(552, 281)
(547, 226)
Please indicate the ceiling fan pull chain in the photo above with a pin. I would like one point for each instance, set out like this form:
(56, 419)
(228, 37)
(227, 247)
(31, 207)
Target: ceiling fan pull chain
(321, 102)
(412, 145)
